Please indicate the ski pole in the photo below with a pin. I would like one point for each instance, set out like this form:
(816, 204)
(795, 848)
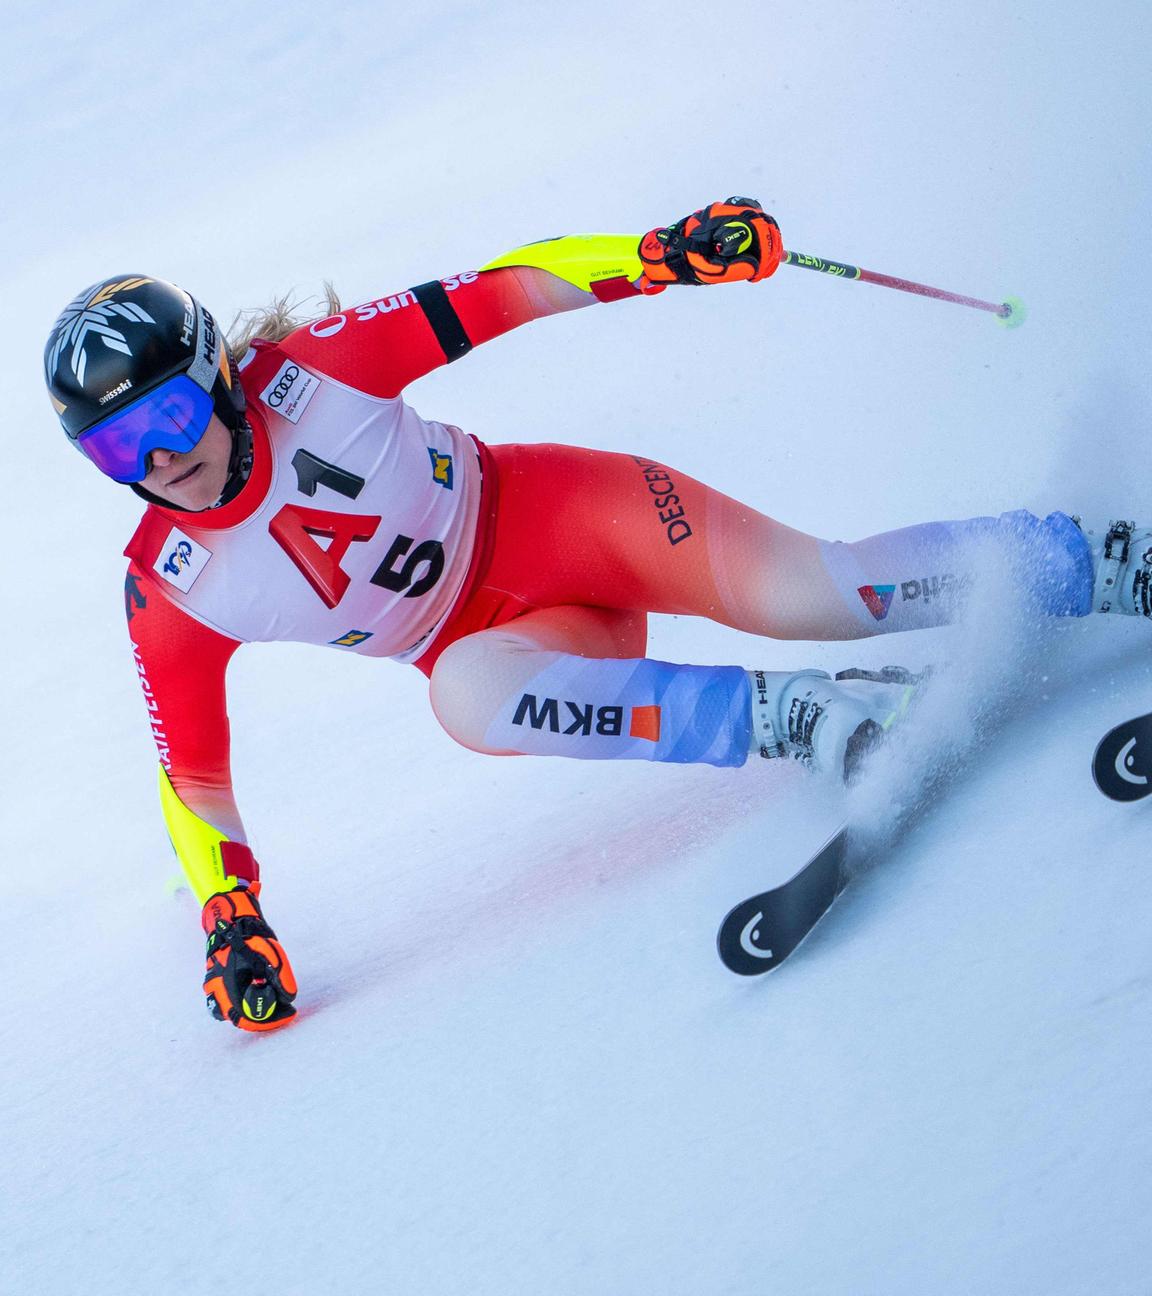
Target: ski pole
(1009, 312)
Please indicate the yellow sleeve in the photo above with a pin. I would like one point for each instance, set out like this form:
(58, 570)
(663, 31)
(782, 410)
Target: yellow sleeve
(200, 848)
(579, 259)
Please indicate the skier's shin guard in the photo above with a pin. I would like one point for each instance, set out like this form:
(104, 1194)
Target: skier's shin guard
(497, 695)
(921, 576)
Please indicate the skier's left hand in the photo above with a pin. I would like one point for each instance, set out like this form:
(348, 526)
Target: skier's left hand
(725, 242)
(248, 980)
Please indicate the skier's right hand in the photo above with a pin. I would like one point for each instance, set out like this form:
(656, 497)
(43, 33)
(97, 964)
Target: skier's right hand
(249, 980)
(726, 242)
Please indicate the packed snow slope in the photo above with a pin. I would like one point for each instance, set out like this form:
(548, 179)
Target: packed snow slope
(519, 1066)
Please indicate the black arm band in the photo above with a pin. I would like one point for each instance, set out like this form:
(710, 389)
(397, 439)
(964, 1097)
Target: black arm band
(441, 314)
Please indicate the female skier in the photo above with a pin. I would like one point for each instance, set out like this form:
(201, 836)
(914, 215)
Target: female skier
(295, 496)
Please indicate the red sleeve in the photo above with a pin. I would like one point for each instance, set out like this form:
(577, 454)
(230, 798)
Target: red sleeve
(383, 345)
(182, 664)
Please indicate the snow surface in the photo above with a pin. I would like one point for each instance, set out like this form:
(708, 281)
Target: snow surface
(520, 1067)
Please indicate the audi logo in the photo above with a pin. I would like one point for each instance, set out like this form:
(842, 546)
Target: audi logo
(278, 393)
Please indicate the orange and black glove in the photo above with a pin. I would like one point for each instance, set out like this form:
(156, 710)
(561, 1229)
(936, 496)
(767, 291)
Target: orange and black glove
(725, 242)
(249, 980)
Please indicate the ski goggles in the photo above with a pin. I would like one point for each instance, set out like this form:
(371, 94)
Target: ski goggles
(173, 416)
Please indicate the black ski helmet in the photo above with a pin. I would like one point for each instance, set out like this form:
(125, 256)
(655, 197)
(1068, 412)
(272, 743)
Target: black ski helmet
(124, 336)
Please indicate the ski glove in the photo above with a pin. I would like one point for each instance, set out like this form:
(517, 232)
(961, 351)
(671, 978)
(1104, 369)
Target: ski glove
(725, 242)
(249, 980)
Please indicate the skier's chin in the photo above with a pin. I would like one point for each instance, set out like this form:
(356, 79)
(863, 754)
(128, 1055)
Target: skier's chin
(195, 493)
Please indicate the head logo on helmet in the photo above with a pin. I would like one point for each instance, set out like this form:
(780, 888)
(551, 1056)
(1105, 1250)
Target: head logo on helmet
(92, 317)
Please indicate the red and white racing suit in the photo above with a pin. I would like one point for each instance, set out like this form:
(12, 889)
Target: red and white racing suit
(365, 528)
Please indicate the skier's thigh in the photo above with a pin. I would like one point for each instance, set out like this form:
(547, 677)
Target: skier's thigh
(591, 527)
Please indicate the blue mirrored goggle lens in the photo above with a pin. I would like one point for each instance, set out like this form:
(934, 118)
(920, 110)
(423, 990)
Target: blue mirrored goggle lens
(174, 416)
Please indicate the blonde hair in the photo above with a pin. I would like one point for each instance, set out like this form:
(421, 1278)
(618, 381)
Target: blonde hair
(275, 321)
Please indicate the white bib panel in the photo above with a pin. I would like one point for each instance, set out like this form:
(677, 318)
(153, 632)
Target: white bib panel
(363, 537)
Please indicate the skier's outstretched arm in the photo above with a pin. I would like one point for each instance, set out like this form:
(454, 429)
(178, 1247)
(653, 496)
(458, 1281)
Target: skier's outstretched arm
(182, 665)
(381, 346)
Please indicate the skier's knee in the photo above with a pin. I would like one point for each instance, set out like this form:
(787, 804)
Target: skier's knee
(469, 682)
(448, 691)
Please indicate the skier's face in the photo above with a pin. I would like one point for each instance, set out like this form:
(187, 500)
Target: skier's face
(195, 479)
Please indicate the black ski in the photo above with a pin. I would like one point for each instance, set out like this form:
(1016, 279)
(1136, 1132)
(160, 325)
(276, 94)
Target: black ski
(760, 933)
(1122, 766)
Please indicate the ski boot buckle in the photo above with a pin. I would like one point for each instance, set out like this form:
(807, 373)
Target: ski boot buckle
(1113, 560)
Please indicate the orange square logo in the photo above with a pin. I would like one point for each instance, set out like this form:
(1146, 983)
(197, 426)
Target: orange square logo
(645, 723)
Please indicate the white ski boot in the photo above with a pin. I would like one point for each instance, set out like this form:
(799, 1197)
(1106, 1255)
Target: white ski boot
(827, 724)
(1122, 562)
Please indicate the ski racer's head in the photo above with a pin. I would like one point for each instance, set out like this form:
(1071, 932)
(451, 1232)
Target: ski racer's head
(145, 386)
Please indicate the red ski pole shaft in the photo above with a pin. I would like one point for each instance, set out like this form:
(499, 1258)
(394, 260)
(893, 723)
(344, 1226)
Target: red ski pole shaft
(1009, 312)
